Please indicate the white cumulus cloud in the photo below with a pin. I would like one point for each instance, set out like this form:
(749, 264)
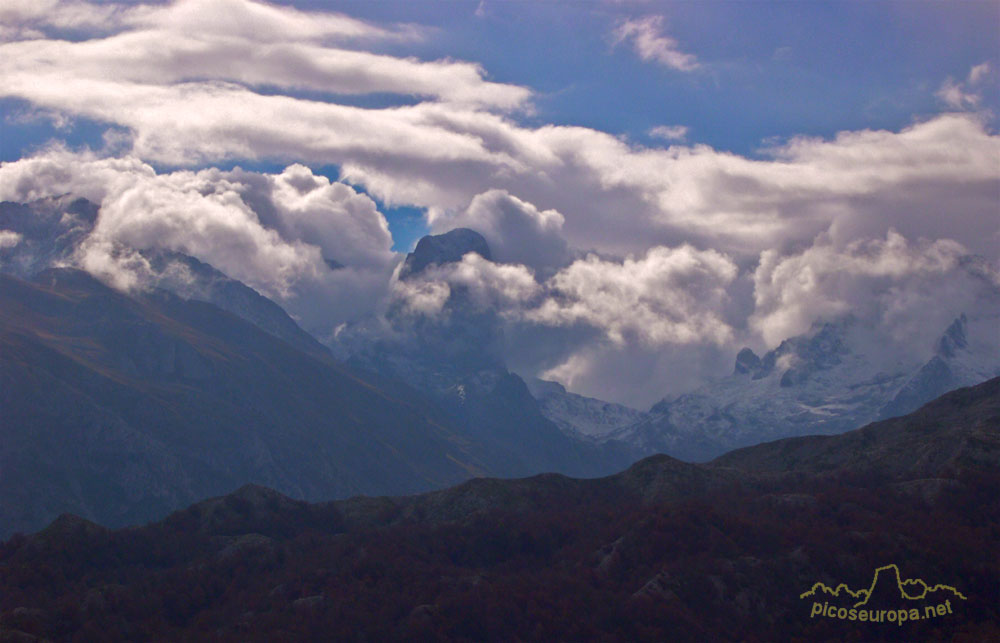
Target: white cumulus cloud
(506, 288)
(911, 290)
(671, 295)
(516, 230)
(9, 239)
(618, 253)
(965, 95)
(273, 232)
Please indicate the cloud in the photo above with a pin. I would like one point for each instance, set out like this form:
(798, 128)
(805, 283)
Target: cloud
(651, 44)
(934, 178)
(909, 290)
(602, 245)
(681, 306)
(978, 73)
(503, 288)
(242, 42)
(670, 132)
(669, 296)
(263, 22)
(273, 232)
(343, 223)
(257, 20)
(634, 375)
(517, 232)
(610, 328)
(965, 95)
(422, 297)
(439, 154)
(954, 95)
(9, 239)
(21, 19)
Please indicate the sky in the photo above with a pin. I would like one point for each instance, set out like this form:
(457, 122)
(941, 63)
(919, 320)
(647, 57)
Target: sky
(661, 183)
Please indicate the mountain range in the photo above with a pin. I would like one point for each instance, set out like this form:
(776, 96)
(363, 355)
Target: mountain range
(663, 550)
(822, 382)
(121, 407)
(456, 359)
(826, 381)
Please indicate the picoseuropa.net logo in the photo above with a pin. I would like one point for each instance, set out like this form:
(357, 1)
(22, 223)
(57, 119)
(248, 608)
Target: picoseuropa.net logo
(889, 599)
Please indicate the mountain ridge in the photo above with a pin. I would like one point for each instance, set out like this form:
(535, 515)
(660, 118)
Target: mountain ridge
(814, 383)
(662, 550)
(130, 380)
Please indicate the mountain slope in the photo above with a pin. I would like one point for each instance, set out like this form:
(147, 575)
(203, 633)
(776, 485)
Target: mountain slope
(958, 431)
(665, 550)
(456, 357)
(121, 408)
(50, 231)
(825, 381)
(579, 415)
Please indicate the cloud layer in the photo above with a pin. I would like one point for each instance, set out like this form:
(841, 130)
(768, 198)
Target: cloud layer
(609, 253)
(278, 233)
(911, 290)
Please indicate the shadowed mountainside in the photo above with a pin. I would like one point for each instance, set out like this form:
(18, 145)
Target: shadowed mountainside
(663, 550)
(957, 431)
(121, 409)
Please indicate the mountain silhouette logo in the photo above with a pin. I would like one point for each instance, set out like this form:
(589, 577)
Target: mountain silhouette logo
(913, 589)
(905, 598)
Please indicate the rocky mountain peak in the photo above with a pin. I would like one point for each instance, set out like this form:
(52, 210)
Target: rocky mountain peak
(954, 338)
(464, 338)
(747, 361)
(439, 249)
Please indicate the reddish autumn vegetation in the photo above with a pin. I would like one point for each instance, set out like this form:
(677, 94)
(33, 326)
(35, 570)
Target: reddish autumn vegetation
(664, 550)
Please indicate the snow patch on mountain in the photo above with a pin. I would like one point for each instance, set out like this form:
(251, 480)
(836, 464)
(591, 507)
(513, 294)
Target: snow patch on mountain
(824, 382)
(581, 416)
(830, 380)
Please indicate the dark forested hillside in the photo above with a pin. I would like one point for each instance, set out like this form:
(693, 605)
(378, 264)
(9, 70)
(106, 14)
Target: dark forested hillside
(663, 551)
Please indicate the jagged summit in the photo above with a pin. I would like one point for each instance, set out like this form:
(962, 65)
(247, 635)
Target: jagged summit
(956, 362)
(954, 339)
(828, 380)
(464, 339)
(438, 249)
(819, 350)
(747, 361)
